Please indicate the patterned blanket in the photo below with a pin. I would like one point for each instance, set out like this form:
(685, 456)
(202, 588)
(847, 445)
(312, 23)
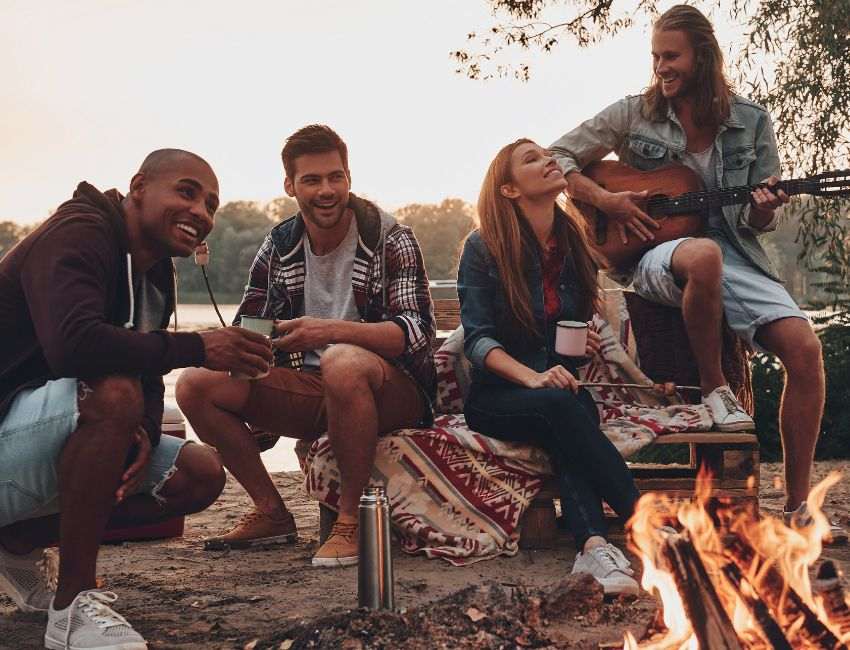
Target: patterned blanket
(459, 495)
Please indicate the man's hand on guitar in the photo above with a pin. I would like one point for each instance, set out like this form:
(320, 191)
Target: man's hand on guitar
(623, 208)
(767, 199)
(764, 202)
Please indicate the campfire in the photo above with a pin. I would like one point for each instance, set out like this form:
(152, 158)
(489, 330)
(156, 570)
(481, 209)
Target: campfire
(733, 579)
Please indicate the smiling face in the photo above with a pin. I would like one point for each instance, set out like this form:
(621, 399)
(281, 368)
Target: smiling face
(534, 174)
(320, 185)
(674, 62)
(171, 208)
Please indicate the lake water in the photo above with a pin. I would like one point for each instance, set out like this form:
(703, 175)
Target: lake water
(279, 458)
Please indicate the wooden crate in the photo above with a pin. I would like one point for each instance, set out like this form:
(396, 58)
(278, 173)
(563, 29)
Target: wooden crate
(731, 458)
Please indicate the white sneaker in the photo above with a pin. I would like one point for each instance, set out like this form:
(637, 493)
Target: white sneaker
(727, 413)
(30, 579)
(89, 623)
(801, 518)
(607, 564)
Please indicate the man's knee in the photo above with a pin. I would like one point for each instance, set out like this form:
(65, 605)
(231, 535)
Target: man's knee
(698, 260)
(346, 367)
(114, 399)
(193, 388)
(199, 475)
(801, 353)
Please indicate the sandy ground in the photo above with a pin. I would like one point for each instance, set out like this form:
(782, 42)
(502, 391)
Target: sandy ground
(180, 596)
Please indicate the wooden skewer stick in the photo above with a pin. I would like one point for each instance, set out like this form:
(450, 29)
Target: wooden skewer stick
(658, 388)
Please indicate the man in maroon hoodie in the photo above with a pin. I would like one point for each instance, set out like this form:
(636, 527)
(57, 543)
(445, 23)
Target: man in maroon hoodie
(85, 301)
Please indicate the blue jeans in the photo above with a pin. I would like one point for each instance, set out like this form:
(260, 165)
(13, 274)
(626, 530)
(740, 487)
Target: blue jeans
(32, 436)
(588, 466)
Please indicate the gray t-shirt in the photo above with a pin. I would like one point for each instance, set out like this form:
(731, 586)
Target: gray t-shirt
(704, 163)
(327, 287)
(150, 305)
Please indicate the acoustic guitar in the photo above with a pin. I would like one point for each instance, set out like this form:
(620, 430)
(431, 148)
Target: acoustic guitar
(677, 200)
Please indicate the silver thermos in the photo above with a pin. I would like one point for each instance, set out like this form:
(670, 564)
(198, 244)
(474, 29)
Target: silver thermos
(375, 565)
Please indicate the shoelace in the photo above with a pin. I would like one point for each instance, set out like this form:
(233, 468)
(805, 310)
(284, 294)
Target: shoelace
(612, 559)
(95, 605)
(729, 402)
(48, 568)
(345, 530)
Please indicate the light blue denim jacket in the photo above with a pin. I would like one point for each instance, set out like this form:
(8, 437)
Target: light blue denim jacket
(482, 303)
(746, 147)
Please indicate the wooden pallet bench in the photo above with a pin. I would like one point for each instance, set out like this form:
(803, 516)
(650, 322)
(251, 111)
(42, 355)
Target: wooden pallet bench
(731, 458)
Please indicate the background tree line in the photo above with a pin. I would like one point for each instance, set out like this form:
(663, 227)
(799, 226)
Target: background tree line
(241, 226)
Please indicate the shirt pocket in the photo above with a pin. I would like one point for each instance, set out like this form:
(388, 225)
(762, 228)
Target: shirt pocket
(647, 153)
(736, 166)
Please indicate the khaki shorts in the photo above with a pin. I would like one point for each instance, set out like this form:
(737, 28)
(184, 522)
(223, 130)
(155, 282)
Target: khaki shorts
(291, 402)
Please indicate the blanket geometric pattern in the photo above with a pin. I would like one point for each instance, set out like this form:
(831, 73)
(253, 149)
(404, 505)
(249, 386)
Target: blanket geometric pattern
(453, 493)
(458, 495)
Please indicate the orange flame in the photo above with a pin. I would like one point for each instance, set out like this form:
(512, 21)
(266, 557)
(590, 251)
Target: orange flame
(790, 551)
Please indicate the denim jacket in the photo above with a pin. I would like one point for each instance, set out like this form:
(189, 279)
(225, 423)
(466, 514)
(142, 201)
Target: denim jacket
(745, 142)
(482, 302)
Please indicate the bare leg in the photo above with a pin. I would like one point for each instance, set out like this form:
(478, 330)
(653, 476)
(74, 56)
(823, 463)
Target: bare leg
(90, 468)
(798, 348)
(195, 485)
(351, 378)
(212, 402)
(698, 266)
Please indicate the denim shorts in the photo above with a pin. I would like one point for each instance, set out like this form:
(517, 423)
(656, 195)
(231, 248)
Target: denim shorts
(32, 436)
(750, 298)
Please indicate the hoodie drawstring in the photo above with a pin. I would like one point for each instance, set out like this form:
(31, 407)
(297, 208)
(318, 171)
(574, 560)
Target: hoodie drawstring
(129, 323)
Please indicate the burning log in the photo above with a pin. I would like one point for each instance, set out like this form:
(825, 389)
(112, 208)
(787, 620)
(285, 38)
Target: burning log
(827, 585)
(709, 620)
(783, 600)
(767, 624)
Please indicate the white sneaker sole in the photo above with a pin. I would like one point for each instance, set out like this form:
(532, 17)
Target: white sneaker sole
(617, 588)
(735, 427)
(334, 561)
(53, 644)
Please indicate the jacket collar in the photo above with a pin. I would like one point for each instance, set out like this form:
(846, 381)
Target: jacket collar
(289, 235)
(732, 121)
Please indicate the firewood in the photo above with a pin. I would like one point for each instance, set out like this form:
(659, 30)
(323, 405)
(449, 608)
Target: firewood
(767, 624)
(709, 620)
(827, 584)
(782, 599)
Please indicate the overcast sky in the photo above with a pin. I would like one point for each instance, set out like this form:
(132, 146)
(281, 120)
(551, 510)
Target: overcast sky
(89, 87)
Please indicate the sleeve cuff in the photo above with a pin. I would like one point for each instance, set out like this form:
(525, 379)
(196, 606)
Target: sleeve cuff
(481, 349)
(190, 349)
(744, 222)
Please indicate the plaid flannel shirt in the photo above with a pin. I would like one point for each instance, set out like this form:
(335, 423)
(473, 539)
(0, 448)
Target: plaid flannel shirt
(394, 289)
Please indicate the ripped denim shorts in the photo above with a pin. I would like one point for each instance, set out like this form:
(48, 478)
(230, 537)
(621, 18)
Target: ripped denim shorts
(32, 435)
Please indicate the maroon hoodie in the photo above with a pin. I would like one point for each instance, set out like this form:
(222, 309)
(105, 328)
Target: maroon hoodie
(65, 307)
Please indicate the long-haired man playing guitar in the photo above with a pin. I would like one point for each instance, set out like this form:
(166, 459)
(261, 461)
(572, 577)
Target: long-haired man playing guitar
(690, 115)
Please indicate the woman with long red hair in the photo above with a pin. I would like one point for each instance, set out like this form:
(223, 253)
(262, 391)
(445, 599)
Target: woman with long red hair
(525, 268)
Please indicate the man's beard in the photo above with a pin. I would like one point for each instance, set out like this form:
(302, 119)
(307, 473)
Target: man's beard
(325, 223)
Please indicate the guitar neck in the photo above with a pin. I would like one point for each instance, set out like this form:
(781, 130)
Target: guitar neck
(717, 198)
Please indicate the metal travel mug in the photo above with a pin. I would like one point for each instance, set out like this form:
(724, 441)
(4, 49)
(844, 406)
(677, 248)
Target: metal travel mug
(375, 565)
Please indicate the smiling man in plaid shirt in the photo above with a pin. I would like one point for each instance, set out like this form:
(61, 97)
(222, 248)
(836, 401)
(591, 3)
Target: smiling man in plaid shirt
(347, 285)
